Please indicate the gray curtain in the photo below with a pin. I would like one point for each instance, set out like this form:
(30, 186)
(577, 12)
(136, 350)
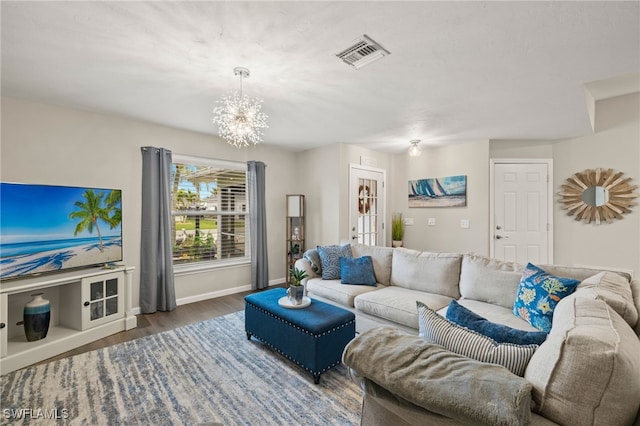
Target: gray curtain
(157, 291)
(258, 225)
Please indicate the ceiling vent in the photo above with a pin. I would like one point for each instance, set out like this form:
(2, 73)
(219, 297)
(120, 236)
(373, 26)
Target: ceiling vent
(363, 52)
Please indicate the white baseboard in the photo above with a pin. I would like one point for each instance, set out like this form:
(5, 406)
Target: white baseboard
(213, 294)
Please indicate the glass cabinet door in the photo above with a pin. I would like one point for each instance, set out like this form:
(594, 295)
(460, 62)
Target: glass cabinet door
(103, 299)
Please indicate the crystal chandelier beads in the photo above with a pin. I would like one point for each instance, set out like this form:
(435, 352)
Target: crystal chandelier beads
(239, 118)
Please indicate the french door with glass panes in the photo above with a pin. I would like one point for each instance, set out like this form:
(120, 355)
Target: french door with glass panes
(366, 205)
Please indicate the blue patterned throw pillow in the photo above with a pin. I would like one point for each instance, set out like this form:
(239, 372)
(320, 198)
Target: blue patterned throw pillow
(330, 260)
(357, 270)
(538, 294)
(498, 332)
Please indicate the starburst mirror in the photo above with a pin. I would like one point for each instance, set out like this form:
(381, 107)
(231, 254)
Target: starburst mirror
(597, 195)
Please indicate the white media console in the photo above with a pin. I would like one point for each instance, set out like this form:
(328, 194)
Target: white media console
(86, 305)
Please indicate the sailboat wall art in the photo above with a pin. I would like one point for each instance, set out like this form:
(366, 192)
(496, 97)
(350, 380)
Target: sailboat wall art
(450, 191)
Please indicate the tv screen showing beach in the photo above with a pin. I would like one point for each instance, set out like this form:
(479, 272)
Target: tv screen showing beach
(46, 228)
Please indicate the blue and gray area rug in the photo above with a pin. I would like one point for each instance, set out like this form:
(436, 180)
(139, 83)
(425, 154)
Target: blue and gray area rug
(203, 373)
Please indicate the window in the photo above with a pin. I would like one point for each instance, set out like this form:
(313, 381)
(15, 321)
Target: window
(209, 209)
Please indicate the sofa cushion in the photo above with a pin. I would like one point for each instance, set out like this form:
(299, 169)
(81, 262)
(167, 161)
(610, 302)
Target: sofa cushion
(313, 258)
(424, 271)
(330, 260)
(498, 332)
(398, 304)
(588, 370)
(578, 272)
(381, 257)
(335, 291)
(357, 271)
(614, 289)
(538, 294)
(463, 341)
(489, 280)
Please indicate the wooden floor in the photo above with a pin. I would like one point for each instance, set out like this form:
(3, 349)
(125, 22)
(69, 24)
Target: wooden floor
(149, 324)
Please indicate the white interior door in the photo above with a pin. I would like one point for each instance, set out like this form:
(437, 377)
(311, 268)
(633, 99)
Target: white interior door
(366, 205)
(522, 216)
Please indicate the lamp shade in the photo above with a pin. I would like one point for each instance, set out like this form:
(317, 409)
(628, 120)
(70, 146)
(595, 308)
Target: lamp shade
(295, 205)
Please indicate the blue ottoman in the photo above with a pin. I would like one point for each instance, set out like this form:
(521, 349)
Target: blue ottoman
(312, 337)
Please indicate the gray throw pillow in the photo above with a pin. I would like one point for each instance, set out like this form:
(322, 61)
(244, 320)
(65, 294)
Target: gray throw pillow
(313, 258)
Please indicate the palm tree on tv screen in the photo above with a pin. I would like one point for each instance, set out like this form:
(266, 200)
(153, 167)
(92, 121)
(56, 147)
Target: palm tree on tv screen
(113, 201)
(89, 211)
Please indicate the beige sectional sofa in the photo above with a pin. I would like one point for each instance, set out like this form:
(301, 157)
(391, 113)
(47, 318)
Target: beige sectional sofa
(586, 372)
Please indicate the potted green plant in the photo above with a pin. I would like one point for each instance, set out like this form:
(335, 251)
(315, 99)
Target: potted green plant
(397, 229)
(295, 292)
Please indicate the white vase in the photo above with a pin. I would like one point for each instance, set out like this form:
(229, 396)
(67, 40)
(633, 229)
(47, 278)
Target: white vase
(396, 243)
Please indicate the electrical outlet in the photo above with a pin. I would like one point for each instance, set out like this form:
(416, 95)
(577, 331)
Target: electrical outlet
(464, 223)
(431, 221)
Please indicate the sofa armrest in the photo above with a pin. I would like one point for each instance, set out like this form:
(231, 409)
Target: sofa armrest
(305, 265)
(635, 292)
(438, 380)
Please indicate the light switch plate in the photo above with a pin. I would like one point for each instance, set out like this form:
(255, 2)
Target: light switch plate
(408, 221)
(464, 223)
(431, 221)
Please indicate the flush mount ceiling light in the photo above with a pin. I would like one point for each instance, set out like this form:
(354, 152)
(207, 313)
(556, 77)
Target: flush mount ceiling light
(414, 149)
(239, 118)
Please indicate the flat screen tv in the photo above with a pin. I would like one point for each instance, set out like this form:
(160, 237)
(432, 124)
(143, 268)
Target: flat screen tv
(47, 228)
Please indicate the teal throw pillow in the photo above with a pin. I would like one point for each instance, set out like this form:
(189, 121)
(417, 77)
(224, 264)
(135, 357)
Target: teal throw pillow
(330, 260)
(498, 332)
(538, 294)
(357, 270)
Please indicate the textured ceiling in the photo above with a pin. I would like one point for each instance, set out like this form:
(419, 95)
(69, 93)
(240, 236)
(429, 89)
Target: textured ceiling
(458, 71)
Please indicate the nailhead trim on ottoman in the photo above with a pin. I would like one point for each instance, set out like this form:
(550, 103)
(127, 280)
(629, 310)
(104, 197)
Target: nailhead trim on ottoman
(312, 337)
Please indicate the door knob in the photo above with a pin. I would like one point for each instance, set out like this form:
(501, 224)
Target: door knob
(499, 237)
(353, 237)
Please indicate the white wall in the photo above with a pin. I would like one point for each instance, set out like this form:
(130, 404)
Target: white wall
(521, 149)
(56, 145)
(470, 159)
(351, 154)
(319, 179)
(62, 146)
(324, 179)
(615, 145)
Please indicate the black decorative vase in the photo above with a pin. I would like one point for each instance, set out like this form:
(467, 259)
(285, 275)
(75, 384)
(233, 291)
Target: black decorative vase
(37, 314)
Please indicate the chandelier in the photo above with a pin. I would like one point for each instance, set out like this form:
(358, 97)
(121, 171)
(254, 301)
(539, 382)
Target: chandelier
(239, 118)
